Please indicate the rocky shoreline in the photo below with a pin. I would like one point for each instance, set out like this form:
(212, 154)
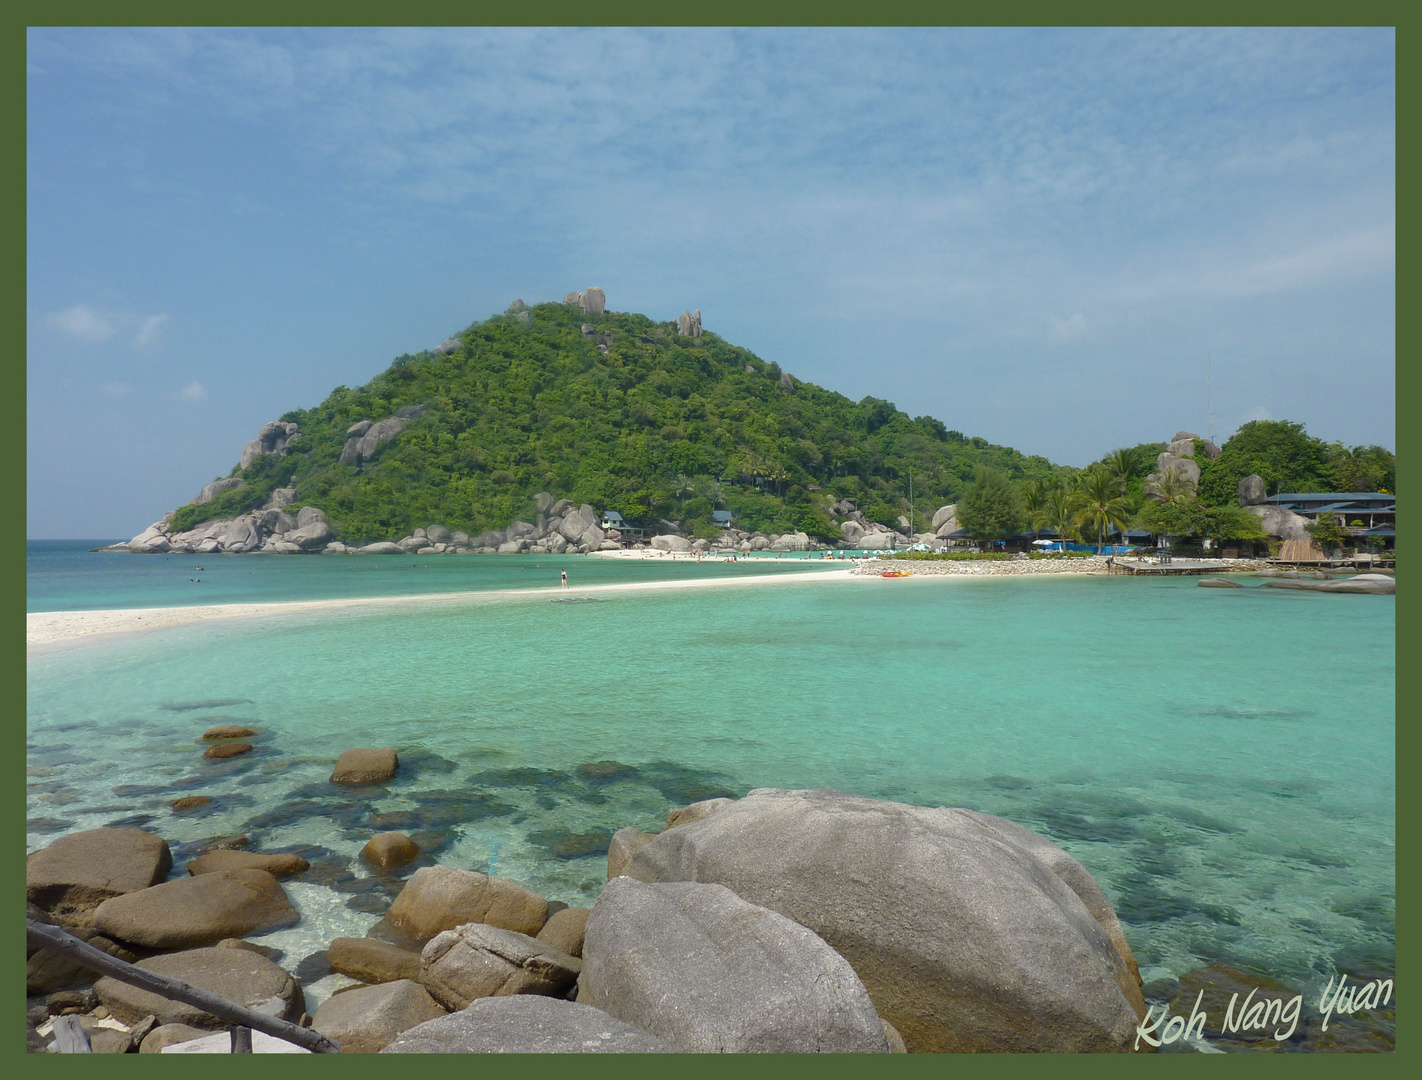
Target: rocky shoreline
(705, 939)
(783, 921)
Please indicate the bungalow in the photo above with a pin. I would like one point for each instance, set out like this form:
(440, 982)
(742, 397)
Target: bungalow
(611, 519)
(722, 518)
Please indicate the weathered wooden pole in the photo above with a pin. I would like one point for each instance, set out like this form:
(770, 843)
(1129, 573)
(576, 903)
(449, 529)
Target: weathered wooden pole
(56, 940)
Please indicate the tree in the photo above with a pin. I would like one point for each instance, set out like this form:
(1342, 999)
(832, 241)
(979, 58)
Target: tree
(1122, 465)
(1363, 468)
(681, 487)
(1102, 509)
(1058, 512)
(1232, 523)
(1163, 518)
(1173, 488)
(990, 508)
(1327, 532)
(1279, 451)
(1034, 497)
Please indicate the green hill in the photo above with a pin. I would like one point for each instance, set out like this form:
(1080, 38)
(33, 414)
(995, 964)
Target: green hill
(628, 416)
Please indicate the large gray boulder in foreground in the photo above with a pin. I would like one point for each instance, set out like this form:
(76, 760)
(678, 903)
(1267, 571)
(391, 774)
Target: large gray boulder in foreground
(526, 1025)
(235, 974)
(969, 932)
(699, 967)
(80, 871)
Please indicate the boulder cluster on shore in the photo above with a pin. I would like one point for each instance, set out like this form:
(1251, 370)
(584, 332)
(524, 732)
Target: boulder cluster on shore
(559, 526)
(784, 921)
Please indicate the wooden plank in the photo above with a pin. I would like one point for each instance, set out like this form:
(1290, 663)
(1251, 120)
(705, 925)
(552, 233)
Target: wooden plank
(70, 1036)
(56, 940)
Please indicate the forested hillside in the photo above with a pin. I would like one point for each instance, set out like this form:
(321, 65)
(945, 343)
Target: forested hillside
(610, 409)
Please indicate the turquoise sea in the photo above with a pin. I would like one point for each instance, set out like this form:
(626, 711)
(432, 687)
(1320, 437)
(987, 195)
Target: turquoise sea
(1222, 761)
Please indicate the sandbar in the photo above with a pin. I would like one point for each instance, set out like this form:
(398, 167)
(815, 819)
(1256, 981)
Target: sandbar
(53, 631)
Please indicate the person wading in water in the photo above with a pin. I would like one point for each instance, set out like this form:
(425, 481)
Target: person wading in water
(565, 578)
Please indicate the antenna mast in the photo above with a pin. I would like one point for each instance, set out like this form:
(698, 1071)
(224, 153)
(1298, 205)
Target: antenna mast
(1209, 396)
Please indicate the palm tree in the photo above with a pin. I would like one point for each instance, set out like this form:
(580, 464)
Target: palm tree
(709, 488)
(1122, 465)
(777, 474)
(1058, 511)
(1172, 489)
(753, 465)
(1101, 507)
(1034, 497)
(680, 486)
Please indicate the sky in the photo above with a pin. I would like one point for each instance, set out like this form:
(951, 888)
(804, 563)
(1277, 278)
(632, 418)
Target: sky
(1048, 238)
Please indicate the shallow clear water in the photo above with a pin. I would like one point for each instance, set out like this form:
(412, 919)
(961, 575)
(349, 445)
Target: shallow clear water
(1222, 761)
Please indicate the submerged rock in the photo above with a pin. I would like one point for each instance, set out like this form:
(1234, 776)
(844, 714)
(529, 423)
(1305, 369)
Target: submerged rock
(278, 865)
(227, 750)
(365, 766)
(227, 731)
(389, 849)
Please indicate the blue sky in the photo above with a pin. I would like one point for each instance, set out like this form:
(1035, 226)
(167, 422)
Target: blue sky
(1039, 237)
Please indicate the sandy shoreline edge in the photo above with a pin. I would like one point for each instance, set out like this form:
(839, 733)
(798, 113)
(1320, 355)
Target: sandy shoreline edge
(53, 631)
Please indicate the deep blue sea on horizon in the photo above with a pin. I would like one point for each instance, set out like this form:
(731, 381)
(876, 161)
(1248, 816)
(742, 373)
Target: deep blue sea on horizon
(1222, 761)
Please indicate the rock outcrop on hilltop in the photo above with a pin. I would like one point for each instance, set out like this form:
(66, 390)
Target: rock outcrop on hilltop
(689, 324)
(1179, 459)
(591, 300)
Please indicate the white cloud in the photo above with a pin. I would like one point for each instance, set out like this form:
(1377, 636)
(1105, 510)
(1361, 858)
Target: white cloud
(115, 389)
(194, 391)
(148, 332)
(82, 322)
(1069, 329)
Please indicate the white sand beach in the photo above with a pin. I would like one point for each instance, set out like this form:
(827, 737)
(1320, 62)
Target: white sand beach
(51, 631)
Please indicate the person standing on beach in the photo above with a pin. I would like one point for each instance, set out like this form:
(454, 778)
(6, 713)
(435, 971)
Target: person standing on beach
(565, 578)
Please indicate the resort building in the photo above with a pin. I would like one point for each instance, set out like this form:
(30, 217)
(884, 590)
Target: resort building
(1365, 515)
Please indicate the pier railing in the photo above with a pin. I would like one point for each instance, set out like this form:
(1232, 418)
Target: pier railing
(71, 1039)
